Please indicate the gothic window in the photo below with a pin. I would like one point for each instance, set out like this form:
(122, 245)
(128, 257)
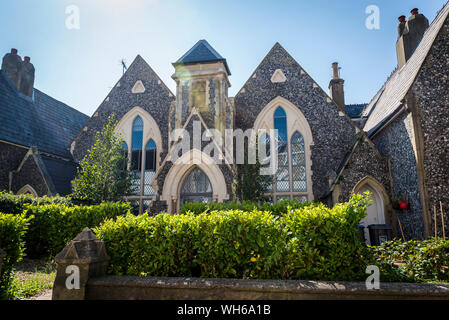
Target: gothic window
(136, 153)
(265, 162)
(283, 173)
(196, 187)
(150, 167)
(290, 180)
(298, 163)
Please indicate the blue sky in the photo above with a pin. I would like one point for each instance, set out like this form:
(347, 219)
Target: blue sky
(79, 67)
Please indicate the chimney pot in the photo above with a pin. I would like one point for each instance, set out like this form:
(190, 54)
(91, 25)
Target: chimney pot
(14, 51)
(414, 11)
(401, 19)
(335, 68)
(27, 59)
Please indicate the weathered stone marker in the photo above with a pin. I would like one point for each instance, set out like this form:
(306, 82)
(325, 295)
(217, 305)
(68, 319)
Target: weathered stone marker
(83, 258)
(2, 256)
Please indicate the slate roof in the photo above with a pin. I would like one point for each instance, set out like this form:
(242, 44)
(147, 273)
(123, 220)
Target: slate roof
(388, 100)
(355, 110)
(43, 122)
(61, 173)
(202, 51)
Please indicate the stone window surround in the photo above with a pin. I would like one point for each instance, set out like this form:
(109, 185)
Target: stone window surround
(296, 122)
(182, 168)
(151, 131)
(27, 189)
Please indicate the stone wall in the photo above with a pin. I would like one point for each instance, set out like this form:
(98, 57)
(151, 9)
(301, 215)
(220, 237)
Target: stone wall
(431, 91)
(333, 133)
(395, 142)
(364, 162)
(30, 174)
(146, 288)
(10, 158)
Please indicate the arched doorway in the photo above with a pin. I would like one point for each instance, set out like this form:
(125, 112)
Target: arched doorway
(375, 212)
(196, 187)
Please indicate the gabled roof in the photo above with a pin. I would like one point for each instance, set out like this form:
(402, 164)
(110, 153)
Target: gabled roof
(202, 51)
(388, 100)
(43, 122)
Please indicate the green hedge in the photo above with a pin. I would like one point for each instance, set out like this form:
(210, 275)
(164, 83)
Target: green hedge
(14, 204)
(12, 233)
(314, 242)
(413, 261)
(54, 225)
(279, 208)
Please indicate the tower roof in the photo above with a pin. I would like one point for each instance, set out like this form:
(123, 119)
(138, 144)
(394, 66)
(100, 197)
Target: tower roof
(202, 51)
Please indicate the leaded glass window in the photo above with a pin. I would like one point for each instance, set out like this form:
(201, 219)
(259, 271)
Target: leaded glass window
(136, 154)
(264, 142)
(150, 167)
(283, 172)
(298, 163)
(196, 187)
(290, 179)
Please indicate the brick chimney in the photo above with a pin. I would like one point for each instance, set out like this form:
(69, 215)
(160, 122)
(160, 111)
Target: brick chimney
(27, 77)
(336, 87)
(21, 73)
(12, 66)
(410, 34)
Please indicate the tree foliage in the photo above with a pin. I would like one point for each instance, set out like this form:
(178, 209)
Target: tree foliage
(103, 174)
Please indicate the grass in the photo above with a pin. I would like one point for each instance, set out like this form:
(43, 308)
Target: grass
(32, 277)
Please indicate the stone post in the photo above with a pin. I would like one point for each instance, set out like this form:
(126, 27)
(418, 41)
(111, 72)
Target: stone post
(2, 256)
(83, 258)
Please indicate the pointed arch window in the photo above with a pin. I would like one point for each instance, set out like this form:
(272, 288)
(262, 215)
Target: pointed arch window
(283, 173)
(196, 187)
(265, 143)
(150, 167)
(291, 178)
(136, 154)
(137, 141)
(299, 176)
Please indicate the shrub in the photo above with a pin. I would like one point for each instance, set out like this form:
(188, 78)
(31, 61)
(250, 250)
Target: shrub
(54, 225)
(413, 261)
(14, 204)
(282, 207)
(12, 232)
(309, 243)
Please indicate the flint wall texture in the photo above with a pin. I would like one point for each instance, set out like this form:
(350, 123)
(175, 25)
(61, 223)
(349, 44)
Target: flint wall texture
(333, 135)
(395, 142)
(431, 91)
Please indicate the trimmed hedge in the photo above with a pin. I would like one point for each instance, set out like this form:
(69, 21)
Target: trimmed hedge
(14, 204)
(279, 208)
(413, 261)
(12, 233)
(55, 225)
(314, 242)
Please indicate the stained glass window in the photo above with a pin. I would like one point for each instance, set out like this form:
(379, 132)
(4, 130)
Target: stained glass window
(283, 173)
(298, 163)
(150, 167)
(196, 187)
(136, 154)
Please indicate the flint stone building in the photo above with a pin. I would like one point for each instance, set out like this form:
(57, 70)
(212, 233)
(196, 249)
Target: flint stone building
(396, 146)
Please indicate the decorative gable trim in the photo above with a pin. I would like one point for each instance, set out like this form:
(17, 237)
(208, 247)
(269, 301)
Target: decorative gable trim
(278, 76)
(138, 87)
